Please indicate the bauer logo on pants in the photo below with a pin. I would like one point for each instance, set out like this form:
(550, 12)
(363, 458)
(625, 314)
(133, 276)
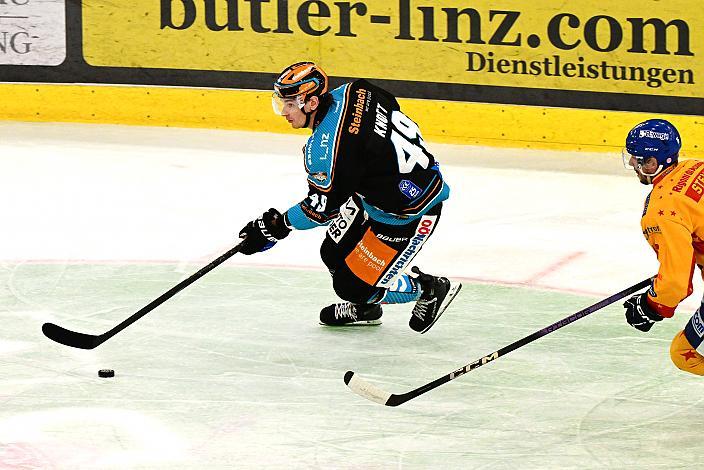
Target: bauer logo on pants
(423, 231)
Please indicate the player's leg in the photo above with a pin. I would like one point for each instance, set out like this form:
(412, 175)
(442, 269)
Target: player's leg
(342, 237)
(367, 260)
(687, 344)
(432, 294)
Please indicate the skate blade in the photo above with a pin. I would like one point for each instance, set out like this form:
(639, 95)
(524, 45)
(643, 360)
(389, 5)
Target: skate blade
(357, 323)
(451, 294)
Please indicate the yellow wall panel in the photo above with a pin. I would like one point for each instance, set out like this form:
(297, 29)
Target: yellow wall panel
(440, 121)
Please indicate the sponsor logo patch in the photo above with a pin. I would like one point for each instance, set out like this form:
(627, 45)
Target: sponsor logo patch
(649, 230)
(684, 179)
(339, 227)
(423, 231)
(370, 258)
(356, 117)
(654, 135)
(391, 239)
(697, 323)
(409, 189)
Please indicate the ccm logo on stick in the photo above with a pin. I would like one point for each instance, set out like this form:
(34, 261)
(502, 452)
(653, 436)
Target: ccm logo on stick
(474, 365)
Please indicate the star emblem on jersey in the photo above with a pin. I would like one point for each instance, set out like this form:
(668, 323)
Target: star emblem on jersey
(689, 355)
(661, 212)
(673, 213)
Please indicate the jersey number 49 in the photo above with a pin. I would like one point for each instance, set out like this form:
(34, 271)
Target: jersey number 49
(410, 148)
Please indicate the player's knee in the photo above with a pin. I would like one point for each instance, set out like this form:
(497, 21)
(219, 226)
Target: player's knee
(684, 356)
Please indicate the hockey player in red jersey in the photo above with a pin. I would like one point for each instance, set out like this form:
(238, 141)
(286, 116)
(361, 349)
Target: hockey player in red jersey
(374, 184)
(673, 225)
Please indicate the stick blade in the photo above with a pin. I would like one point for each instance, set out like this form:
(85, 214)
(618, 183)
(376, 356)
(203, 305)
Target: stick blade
(70, 338)
(369, 391)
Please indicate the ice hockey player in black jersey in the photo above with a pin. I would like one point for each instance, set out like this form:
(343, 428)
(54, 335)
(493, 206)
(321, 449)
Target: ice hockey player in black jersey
(376, 187)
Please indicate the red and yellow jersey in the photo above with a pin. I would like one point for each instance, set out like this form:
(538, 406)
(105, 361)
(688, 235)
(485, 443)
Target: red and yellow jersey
(673, 225)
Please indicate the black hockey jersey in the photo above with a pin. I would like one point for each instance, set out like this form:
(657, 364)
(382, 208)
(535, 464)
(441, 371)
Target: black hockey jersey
(365, 145)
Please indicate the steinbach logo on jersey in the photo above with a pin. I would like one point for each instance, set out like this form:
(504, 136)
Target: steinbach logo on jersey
(358, 110)
(425, 228)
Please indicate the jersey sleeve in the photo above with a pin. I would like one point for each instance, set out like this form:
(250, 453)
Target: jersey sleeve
(315, 210)
(672, 242)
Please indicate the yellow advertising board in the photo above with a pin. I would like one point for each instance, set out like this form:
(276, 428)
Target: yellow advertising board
(632, 46)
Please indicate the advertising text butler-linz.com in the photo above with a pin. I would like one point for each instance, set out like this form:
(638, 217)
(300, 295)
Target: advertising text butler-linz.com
(486, 29)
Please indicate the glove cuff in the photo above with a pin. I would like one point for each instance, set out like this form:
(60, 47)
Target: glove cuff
(276, 224)
(648, 309)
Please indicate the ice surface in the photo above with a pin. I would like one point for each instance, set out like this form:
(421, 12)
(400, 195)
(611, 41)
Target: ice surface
(235, 372)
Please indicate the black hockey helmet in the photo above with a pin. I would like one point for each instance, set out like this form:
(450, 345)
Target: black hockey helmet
(299, 82)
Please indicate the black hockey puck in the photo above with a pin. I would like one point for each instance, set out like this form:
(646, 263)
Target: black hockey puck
(106, 373)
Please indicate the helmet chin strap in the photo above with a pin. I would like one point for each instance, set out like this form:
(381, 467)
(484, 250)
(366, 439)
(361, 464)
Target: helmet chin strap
(648, 179)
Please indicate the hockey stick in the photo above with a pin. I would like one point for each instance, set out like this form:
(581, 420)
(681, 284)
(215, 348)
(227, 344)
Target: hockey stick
(371, 392)
(86, 341)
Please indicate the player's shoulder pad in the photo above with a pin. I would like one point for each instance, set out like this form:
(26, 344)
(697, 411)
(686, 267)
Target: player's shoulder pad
(378, 93)
(664, 209)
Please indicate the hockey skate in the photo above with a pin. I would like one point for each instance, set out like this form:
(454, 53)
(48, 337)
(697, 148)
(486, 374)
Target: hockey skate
(349, 314)
(437, 293)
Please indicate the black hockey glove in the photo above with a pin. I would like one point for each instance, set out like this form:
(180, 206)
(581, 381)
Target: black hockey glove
(263, 232)
(639, 314)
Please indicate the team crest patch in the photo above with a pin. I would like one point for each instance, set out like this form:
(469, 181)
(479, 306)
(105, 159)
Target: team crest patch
(319, 176)
(409, 189)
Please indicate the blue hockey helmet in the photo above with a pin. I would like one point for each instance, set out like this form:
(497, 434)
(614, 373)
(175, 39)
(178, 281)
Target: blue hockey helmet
(655, 138)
